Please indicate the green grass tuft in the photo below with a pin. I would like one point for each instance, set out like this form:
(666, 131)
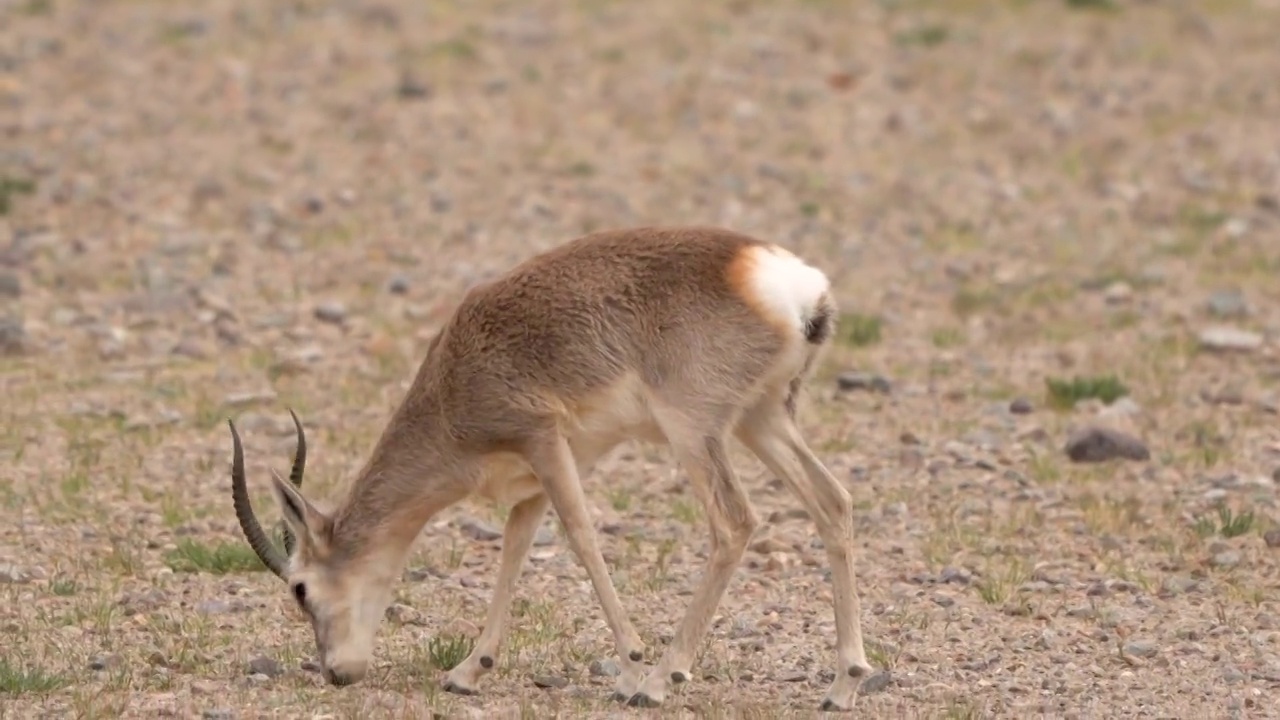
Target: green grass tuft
(219, 559)
(1064, 394)
(857, 330)
(448, 650)
(20, 680)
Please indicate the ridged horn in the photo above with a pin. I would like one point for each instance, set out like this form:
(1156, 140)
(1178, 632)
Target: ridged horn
(253, 532)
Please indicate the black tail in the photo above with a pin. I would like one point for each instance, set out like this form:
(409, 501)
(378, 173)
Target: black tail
(819, 327)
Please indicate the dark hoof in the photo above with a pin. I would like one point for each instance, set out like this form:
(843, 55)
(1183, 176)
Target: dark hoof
(678, 677)
(486, 662)
(857, 672)
(619, 697)
(641, 700)
(457, 689)
(827, 705)
(636, 656)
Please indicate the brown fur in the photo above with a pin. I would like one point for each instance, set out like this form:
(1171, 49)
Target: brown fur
(652, 333)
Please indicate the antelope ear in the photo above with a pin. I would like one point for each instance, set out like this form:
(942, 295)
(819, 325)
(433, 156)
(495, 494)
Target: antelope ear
(309, 525)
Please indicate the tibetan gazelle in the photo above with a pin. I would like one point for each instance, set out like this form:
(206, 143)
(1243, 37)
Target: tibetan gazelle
(682, 336)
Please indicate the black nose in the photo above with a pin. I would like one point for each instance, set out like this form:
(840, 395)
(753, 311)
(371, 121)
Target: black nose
(336, 678)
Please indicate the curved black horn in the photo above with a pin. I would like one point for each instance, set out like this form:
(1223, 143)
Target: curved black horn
(295, 476)
(253, 532)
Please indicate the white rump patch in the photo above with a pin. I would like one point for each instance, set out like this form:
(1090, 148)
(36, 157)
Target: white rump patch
(786, 287)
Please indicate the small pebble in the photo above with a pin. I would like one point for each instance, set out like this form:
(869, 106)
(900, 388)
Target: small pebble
(1226, 559)
(1020, 406)
(479, 530)
(10, 284)
(331, 311)
(263, 665)
(1272, 538)
(863, 381)
(876, 682)
(218, 714)
(1227, 304)
(13, 575)
(105, 662)
(604, 668)
(1141, 648)
(544, 537)
(1229, 339)
(398, 285)
(547, 682)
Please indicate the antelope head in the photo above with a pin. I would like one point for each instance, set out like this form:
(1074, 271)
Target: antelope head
(337, 593)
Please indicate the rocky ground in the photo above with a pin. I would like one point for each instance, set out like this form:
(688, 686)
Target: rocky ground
(1055, 230)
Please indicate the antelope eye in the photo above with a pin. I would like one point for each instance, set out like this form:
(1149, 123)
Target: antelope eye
(300, 594)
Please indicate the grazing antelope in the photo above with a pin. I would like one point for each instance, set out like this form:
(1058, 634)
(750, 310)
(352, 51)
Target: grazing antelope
(672, 335)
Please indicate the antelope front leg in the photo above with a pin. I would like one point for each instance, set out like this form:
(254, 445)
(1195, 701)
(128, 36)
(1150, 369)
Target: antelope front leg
(517, 537)
(554, 465)
(732, 521)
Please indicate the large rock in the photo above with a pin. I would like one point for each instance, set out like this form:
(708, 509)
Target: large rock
(1095, 444)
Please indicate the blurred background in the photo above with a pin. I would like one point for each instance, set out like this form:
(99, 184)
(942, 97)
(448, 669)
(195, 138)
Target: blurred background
(1052, 224)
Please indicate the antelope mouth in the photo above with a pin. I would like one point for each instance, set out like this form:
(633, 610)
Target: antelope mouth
(266, 550)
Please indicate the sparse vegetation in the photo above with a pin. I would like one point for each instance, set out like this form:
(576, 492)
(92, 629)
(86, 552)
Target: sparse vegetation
(857, 330)
(1014, 199)
(1064, 394)
(19, 679)
(447, 650)
(220, 558)
(1228, 523)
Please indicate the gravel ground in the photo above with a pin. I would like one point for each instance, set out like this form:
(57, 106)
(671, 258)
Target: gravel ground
(1055, 231)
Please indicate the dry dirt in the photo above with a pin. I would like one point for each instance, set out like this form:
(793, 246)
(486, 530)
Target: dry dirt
(230, 208)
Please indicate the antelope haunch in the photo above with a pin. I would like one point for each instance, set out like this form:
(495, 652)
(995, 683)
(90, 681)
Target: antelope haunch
(683, 336)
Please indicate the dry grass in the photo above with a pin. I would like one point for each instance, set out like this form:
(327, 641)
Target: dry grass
(1016, 199)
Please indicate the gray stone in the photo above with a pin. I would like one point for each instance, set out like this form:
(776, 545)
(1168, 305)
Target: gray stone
(331, 311)
(876, 682)
(1272, 538)
(1226, 559)
(220, 607)
(1227, 303)
(1141, 648)
(1229, 339)
(218, 714)
(1020, 406)
(10, 284)
(13, 575)
(604, 668)
(548, 682)
(479, 530)
(263, 665)
(544, 537)
(105, 662)
(398, 285)
(954, 575)
(13, 336)
(1099, 444)
(868, 382)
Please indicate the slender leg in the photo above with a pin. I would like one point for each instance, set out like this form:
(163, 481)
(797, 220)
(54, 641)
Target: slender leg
(517, 538)
(732, 521)
(554, 464)
(771, 434)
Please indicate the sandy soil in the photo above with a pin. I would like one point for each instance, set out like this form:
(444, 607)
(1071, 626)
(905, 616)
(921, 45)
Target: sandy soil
(228, 208)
